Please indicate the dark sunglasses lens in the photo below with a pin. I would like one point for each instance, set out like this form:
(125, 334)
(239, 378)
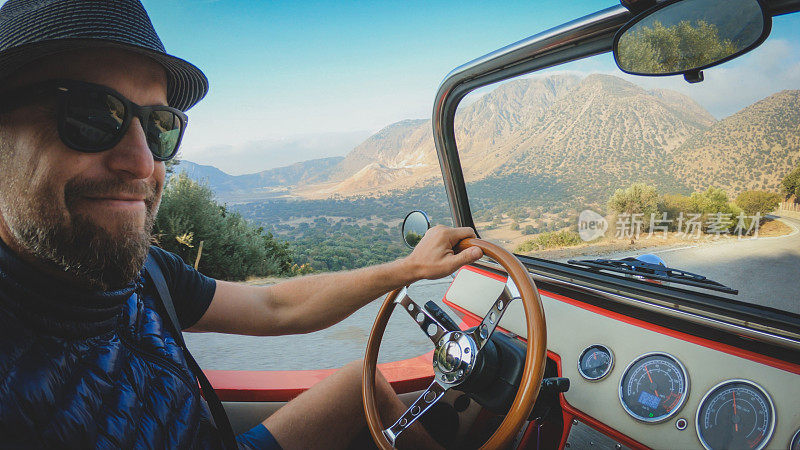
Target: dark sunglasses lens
(92, 120)
(163, 133)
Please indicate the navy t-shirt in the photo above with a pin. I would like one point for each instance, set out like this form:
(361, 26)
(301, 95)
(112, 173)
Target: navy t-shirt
(191, 291)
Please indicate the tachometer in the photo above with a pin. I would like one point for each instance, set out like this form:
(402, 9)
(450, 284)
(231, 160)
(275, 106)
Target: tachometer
(735, 414)
(595, 362)
(654, 387)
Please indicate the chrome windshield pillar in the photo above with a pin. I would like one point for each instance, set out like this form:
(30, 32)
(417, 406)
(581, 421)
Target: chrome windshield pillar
(580, 38)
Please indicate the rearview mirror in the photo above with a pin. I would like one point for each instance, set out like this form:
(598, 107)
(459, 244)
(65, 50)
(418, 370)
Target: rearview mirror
(686, 36)
(414, 227)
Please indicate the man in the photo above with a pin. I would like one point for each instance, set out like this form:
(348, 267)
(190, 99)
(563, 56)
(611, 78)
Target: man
(90, 108)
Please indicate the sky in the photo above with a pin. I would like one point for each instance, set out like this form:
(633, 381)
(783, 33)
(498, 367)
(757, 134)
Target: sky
(296, 80)
(286, 73)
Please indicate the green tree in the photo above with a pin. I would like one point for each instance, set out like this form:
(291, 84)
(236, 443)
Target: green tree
(791, 183)
(658, 49)
(713, 200)
(233, 249)
(638, 198)
(170, 165)
(758, 202)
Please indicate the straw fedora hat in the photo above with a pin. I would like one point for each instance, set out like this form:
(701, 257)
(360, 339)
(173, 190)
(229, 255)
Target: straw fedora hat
(32, 29)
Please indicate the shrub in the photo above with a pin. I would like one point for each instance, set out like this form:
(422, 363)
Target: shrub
(551, 239)
(514, 225)
(529, 229)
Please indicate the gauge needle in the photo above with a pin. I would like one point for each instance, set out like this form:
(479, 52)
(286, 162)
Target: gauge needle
(735, 424)
(651, 380)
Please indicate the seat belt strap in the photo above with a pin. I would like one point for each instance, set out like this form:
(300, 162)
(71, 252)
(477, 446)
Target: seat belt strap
(215, 405)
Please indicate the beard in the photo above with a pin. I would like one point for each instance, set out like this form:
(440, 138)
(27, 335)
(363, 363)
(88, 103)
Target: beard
(92, 256)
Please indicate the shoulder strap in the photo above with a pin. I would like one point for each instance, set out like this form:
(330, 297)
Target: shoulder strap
(217, 411)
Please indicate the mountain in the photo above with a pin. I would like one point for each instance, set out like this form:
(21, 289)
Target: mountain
(304, 172)
(560, 134)
(393, 146)
(751, 149)
(403, 154)
(593, 130)
(605, 133)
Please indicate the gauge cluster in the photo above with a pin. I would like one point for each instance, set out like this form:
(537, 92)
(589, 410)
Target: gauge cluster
(653, 387)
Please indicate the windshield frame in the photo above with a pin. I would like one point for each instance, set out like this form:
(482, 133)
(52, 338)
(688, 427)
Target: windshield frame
(581, 38)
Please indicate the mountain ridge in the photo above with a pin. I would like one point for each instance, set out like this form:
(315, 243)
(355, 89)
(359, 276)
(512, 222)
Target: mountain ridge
(594, 133)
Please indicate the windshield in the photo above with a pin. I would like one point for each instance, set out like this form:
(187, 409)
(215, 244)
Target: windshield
(584, 162)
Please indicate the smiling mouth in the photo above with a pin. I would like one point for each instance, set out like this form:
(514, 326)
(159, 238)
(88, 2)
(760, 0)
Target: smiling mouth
(117, 202)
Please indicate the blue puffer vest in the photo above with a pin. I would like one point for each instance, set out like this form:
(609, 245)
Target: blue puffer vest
(92, 370)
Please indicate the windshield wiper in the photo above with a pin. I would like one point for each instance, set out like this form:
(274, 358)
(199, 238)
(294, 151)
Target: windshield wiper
(633, 266)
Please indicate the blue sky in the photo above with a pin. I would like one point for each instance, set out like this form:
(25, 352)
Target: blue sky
(284, 70)
(295, 80)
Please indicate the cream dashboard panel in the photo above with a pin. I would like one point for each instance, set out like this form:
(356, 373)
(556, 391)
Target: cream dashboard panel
(571, 329)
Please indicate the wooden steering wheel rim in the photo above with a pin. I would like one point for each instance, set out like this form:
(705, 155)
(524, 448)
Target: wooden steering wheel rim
(535, 357)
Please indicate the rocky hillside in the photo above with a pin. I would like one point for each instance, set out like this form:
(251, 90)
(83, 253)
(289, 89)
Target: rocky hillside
(597, 130)
(752, 149)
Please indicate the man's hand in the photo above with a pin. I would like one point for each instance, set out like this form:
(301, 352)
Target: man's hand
(434, 257)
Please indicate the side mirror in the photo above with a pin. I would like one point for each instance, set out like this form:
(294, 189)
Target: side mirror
(414, 227)
(686, 36)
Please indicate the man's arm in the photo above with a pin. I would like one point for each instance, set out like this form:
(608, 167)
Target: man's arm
(311, 303)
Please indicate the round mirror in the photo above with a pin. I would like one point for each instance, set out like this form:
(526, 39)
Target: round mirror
(415, 225)
(689, 35)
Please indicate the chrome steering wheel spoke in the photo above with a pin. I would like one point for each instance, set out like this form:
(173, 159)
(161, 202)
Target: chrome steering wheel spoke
(430, 326)
(484, 332)
(428, 398)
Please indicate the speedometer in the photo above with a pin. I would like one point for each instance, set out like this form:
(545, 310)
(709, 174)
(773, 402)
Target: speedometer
(735, 414)
(654, 387)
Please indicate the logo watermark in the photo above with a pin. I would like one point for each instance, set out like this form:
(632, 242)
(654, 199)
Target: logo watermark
(688, 226)
(591, 225)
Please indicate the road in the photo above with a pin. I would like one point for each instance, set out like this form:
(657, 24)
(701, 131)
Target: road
(765, 270)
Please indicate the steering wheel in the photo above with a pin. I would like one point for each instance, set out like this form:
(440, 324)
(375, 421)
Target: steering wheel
(457, 352)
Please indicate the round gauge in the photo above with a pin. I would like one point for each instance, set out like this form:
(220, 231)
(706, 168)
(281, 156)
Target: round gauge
(595, 362)
(795, 445)
(654, 387)
(736, 414)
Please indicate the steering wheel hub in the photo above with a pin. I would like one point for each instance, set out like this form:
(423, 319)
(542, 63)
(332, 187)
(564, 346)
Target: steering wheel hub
(454, 357)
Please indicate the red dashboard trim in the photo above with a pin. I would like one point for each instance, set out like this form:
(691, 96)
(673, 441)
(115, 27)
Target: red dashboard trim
(718, 346)
(408, 375)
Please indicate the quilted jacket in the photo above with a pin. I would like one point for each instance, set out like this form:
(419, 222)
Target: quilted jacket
(92, 370)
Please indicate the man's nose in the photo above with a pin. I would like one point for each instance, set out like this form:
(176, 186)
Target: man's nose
(131, 154)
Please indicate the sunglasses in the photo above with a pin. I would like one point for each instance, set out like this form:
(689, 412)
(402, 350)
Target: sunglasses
(93, 118)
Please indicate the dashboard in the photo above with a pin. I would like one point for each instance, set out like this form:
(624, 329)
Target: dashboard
(649, 385)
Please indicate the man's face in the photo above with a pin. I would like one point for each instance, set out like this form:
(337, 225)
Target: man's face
(89, 215)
